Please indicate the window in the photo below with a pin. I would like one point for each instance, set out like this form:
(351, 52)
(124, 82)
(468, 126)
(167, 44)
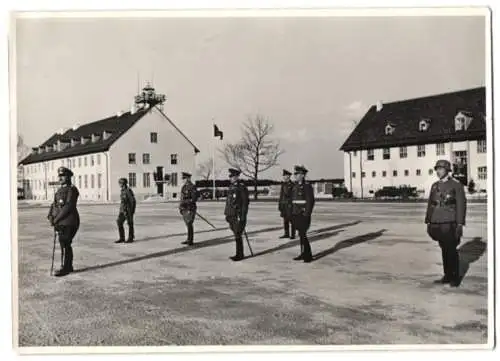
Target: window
(423, 125)
(320, 187)
(146, 158)
(407, 172)
(389, 130)
(86, 181)
(355, 153)
(173, 159)
(374, 174)
(98, 156)
(370, 154)
(403, 152)
(173, 179)
(387, 153)
(79, 162)
(91, 160)
(418, 172)
(421, 151)
(84, 161)
(440, 149)
(92, 181)
(132, 181)
(394, 173)
(384, 173)
(153, 137)
(363, 174)
(431, 171)
(481, 146)
(131, 158)
(80, 181)
(354, 174)
(99, 180)
(146, 180)
(481, 173)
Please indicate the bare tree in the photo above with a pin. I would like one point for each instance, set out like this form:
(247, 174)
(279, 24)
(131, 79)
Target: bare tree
(205, 169)
(256, 152)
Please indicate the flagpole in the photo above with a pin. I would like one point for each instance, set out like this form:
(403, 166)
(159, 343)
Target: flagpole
(213, 163)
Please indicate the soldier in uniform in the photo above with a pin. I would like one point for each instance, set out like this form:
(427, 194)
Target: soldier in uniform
(445, 219)
(187, 206)
(63, 216)
(127, 211)
(285, 205)
(236, 210)
(302, 207)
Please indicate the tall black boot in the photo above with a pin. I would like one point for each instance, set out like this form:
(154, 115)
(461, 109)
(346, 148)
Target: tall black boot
(239, 249)
(67, 266)
(121, 233)
(131, 235)
(307, 251)
(286, 225)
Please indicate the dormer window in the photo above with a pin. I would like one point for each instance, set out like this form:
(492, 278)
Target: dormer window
(424, 125)
(95, 138)
(106, 135)
(389, 129)
(84, 140)
(74, 142)
(35, 150)
(462, 121)
(64, 144)
(48, 148)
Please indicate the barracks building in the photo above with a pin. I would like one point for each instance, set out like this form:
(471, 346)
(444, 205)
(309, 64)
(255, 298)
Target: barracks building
(142, 145)
(398, 143)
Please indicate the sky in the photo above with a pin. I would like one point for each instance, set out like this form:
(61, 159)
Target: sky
(310, 77)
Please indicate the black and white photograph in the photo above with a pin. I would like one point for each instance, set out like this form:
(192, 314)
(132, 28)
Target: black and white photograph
(268, 178)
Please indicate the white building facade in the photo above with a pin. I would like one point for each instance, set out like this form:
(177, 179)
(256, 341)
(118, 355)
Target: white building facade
(138, 145)
(408, 158)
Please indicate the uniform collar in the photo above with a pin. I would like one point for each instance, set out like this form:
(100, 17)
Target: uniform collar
(445, 179)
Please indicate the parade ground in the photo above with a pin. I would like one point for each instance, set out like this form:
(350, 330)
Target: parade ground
(371, 281)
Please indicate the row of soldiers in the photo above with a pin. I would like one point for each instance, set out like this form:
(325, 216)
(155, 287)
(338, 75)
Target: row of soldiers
(445, 216)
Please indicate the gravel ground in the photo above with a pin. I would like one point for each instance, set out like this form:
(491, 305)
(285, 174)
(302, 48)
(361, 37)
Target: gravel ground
(370, 283)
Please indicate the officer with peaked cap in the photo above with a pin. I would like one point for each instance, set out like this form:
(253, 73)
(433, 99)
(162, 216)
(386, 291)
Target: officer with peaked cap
(445, 218)
(285, 205)
(236, 210)
(187, 206)
(126, 212)
(63, 216)
(302, 207)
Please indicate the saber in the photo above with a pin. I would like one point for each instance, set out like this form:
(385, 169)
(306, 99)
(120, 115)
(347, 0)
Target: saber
(248, 242)
(53, 253)
(203, 218)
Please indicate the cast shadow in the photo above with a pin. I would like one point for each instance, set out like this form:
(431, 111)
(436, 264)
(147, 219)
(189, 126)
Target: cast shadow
(349, 243)
(179, 234)
(469, 253)
(316, 236)
(204, 244)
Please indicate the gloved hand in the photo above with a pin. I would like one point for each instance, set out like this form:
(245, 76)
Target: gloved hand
(460, 231)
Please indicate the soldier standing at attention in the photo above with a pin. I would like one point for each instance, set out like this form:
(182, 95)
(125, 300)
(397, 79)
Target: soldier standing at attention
(285, 205)
(236, 210)
(302, 207)
(64, 217)
(187, 207)
(445, 219)
(127, 211)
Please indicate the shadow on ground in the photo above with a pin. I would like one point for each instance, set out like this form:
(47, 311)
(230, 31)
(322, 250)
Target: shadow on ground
(349, 243)
(317, 235)
(469, 253)
(208, 243)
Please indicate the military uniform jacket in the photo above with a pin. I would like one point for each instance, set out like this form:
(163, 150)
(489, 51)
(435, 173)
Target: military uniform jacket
(188, 197)
(237, 201)
(63, 210)
(285, 200)
(447, 202)
(127, 201)
(302, 199)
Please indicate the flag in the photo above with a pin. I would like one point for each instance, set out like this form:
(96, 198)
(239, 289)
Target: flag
(217, 132)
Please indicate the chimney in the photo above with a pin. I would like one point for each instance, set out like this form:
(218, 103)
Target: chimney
(119, 113)
(380, 105)
(76, 126)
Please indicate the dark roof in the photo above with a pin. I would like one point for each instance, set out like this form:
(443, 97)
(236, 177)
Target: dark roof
(115, 125)
(406, 115)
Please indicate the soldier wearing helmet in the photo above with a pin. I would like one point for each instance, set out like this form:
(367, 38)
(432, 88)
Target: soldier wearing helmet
(64, 217)
(445, 219)
(126, 213)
